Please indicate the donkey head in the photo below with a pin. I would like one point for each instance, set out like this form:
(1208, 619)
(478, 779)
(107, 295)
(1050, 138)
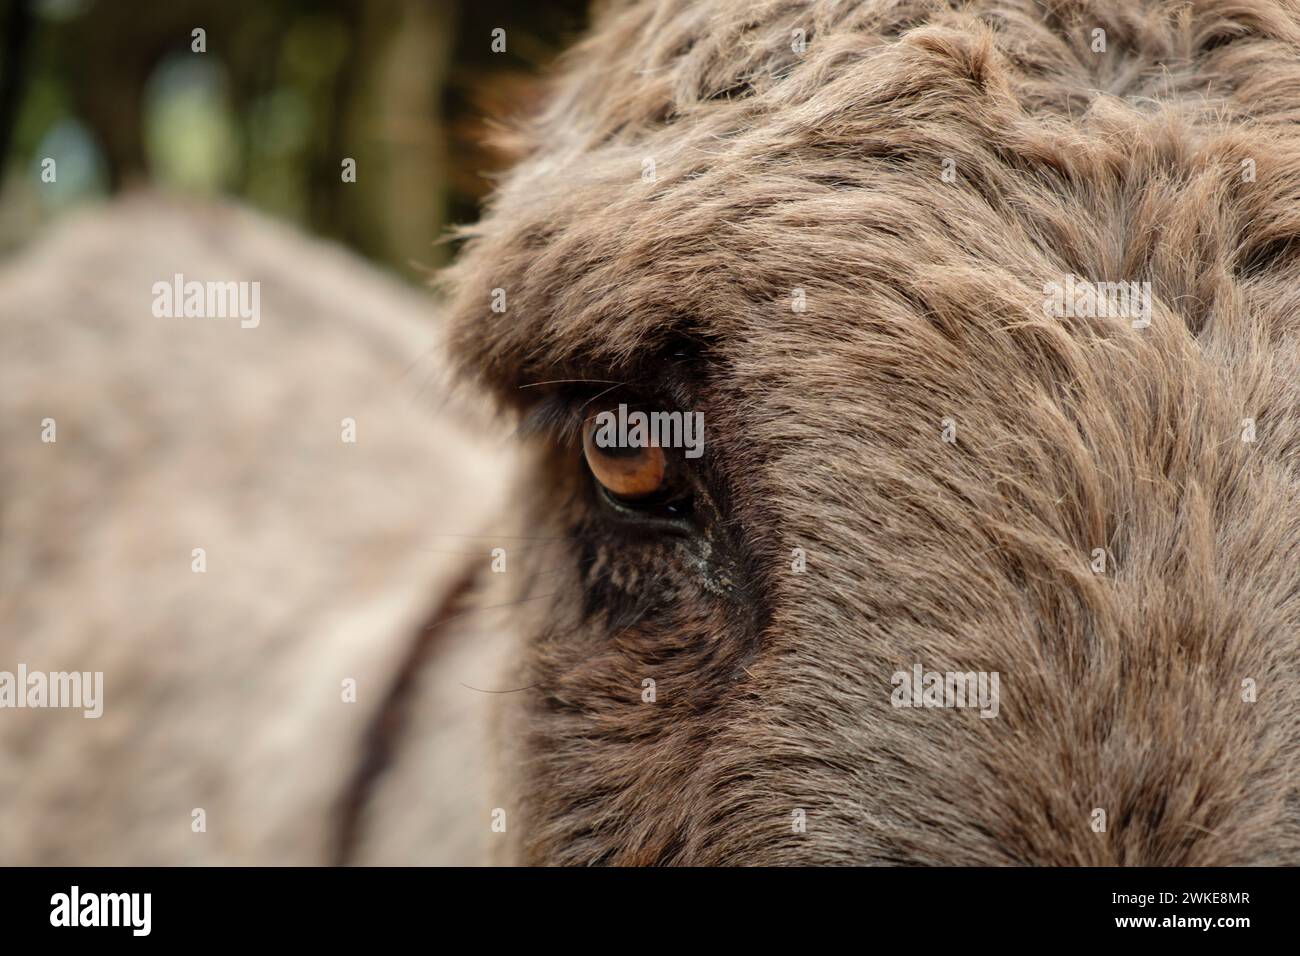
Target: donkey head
(993, 340)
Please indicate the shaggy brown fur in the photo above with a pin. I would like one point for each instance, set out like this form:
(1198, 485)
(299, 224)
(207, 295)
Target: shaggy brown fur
(777, 170)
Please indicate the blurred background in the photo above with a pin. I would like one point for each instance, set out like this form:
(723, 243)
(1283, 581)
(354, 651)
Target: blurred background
(115, 93)
(338, 488)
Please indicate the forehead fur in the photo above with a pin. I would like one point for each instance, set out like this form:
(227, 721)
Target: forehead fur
(775, 170)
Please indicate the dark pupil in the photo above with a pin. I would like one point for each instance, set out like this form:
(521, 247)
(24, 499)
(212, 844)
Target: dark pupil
(620, 451)
(615, 451)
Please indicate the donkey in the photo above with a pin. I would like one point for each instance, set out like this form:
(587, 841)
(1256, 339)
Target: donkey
(988, 551)
(840, 232)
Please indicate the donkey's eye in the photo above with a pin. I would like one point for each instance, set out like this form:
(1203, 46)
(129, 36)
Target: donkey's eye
(633, 474)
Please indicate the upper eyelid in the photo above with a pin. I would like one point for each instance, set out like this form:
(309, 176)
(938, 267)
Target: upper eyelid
(556, 416)
(562, 414)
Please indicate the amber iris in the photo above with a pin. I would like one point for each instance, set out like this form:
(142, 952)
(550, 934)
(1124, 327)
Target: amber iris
(629, 473)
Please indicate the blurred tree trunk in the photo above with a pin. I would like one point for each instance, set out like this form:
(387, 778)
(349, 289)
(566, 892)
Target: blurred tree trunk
(407, 88)
(397, 208)
(16, 17)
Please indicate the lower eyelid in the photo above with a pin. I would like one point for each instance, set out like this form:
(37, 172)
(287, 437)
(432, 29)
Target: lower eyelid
(641, 517)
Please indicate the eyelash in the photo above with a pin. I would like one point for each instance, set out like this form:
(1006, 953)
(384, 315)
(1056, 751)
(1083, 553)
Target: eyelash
(560, 416)
(556, 418)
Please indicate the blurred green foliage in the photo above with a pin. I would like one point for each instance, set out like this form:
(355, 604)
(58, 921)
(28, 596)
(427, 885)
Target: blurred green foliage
(115, 93)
